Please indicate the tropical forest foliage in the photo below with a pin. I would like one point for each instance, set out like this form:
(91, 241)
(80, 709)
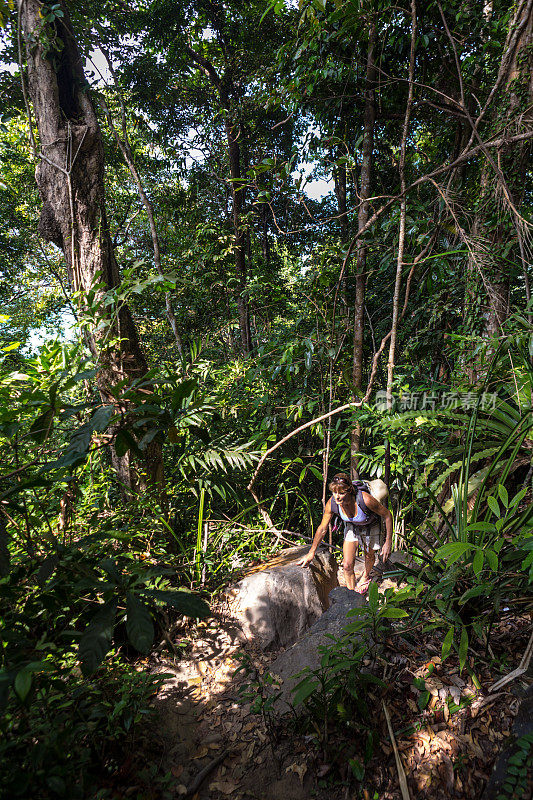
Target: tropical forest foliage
(223, 222)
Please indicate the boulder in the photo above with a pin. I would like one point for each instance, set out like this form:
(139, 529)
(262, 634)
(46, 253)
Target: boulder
(305, 652)
(276, 602)
(523, 726)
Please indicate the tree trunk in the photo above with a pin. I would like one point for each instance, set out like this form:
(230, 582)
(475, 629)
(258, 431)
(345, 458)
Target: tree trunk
(238, 194)
(339, 178)
(360, 261)
(502, 184)
(234, 134)
(265, 243)
(70, 178)
(401, 232)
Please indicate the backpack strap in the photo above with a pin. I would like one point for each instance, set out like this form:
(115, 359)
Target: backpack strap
(360, 487)
(337, 519)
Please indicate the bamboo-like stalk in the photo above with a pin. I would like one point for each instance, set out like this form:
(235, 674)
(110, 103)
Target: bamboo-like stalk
(199, 537)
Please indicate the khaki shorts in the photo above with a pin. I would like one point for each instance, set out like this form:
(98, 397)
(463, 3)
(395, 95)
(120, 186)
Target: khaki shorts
(369, 539)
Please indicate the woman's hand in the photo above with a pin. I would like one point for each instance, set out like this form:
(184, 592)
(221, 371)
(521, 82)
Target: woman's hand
(386, 549)
(306, 560)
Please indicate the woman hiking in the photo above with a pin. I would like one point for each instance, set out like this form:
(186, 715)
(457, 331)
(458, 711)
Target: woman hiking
(359, 527)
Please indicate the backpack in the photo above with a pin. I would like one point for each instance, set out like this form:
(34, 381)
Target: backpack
(377, 488)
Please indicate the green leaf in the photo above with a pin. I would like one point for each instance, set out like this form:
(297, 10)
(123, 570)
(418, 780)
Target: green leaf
(373, 596)
(504, 497)
(477, 564)
(518, 497)
(316, 472)
(303, 690)
(96, 640)
(139, 625)
(452, 552)
(486, 527)
(493, 505)
(185, 601)
(124, 441)
(42, 426)
(393, 613)
(463, 648)
(185, 389)
(101, 417)
(357, 768)
(80, 441)
(148, 437)
(423, 699)
(23, 681)
(475, 591)
(447, 644)
(492, 558)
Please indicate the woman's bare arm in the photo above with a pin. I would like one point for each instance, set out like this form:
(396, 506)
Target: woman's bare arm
(378, 508)
(319, 535)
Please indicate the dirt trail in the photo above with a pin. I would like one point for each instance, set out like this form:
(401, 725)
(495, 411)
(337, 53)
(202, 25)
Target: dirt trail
(204, 729)
(200, 716)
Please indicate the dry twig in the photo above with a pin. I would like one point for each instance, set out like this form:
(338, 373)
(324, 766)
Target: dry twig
(399, 766)
(202, 775)
(522, 667)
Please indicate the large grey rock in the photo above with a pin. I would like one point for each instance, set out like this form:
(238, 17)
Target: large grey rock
(523, 726)
(278, 601)
(306, 651)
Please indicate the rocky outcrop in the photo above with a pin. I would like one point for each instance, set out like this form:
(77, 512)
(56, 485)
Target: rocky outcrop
(276, 602)
(305, 652)
(505, 779)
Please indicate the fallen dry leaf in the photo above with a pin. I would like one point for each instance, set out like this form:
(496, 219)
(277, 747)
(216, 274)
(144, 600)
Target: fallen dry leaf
(298, 769)
(201, 752)
(176, 771)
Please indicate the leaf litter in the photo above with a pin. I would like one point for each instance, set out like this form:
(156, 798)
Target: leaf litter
(447, 747)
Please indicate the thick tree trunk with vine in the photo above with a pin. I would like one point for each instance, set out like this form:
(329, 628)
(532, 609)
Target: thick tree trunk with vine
(70, 178)
(360, 259)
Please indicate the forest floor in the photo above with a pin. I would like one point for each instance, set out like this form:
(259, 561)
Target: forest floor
(212, 747)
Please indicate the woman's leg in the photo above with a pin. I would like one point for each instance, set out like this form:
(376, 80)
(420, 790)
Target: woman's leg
(348, 552)
(370, 557)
